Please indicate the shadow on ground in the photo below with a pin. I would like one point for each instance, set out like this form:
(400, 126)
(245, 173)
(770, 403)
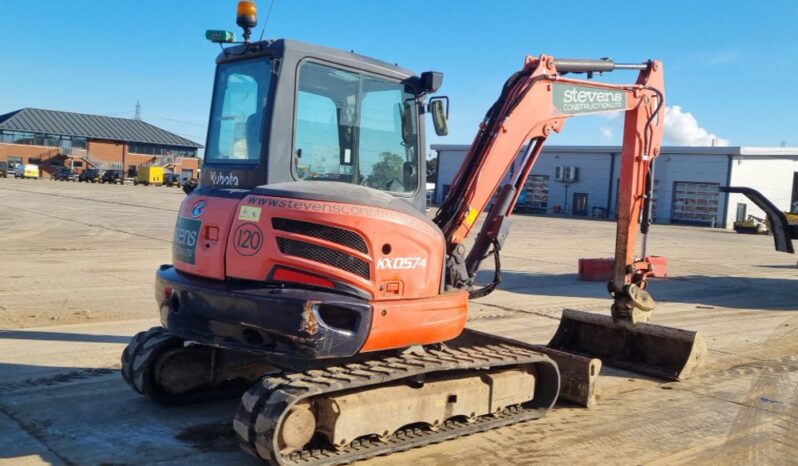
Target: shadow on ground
(777, 294)
(61, 336)
(90, 416)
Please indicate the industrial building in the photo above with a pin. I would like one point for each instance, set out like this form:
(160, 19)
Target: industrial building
(583, 181)
(54, 139)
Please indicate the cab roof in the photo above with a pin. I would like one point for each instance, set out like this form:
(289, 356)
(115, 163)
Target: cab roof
(278, 48)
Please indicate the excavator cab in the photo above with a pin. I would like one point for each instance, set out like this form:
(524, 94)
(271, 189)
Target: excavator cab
(287, 111)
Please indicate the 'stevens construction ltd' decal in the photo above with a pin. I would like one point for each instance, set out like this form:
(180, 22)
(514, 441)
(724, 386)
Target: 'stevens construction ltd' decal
(336, 208)
(571, 99)
(184, 244)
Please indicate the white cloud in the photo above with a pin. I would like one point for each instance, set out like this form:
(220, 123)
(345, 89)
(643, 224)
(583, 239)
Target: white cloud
(682, 129)
(606, 133)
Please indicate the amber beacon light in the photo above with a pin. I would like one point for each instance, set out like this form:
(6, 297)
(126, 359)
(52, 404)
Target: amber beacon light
(247, 17)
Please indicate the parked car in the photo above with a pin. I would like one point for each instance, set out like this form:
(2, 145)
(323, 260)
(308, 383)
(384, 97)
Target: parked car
(27, 170)
(113, 176)
(172, 179)
(91, 175)
(65, 174)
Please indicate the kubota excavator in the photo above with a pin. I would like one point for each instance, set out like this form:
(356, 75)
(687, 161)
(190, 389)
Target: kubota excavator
(305, 268)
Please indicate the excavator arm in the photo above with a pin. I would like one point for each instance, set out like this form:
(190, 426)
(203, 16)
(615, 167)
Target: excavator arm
(534, 103)
(783, 231)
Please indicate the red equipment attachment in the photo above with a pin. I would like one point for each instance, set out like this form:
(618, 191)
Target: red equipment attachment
(602, 269)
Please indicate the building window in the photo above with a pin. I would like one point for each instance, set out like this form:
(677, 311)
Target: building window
(39, 139)
(18, 137)
(534, 199)
(695, 203)
(155, 149)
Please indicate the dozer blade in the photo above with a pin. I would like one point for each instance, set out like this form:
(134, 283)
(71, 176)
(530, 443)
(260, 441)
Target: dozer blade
(656, 350)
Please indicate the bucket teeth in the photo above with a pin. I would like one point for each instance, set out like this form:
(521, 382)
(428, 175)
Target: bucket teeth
(662, 352)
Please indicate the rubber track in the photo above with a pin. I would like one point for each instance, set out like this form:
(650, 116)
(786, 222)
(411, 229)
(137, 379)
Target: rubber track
(139, 355)
(263, 406)
(143, 352)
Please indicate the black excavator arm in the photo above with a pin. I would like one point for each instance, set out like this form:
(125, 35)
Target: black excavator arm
(783, 232)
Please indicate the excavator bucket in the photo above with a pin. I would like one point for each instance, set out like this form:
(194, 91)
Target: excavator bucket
(656, 350)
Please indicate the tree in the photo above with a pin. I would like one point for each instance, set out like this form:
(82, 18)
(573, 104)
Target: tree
(432, 169)
(386, 172)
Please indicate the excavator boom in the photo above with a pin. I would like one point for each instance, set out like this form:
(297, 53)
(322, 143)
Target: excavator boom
(534, 103)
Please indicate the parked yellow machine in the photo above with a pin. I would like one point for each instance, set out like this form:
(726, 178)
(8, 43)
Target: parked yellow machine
(149, 175)
(27, 170)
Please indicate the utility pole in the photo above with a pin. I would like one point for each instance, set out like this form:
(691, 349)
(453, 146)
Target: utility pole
(137, 114)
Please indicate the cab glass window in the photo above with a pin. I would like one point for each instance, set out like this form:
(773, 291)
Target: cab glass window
(355, 128)
(239, 102)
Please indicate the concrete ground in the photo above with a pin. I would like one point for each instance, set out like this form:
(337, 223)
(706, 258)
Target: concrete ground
(76, 280)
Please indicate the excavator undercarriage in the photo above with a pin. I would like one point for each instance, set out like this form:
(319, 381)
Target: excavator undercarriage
(370, 405)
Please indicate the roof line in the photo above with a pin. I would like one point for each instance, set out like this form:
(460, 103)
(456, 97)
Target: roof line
(91, 126)
(665, 150)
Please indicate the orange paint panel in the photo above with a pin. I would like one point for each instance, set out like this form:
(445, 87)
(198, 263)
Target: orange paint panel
(414, 256)
(287, 275)
(215, 215)
(399, 324)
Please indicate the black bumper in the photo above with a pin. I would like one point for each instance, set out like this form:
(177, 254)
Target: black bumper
(277, 322)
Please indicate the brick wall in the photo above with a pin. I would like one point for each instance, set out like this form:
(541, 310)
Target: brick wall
(28, 152)
(105, 151)
(139, 159)
(25, 151)
(188, 163)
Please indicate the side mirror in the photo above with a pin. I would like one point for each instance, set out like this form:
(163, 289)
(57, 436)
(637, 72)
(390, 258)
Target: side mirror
(439, 108)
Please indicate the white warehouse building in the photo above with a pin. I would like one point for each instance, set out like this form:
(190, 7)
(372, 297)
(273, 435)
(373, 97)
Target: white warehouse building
(583, 181)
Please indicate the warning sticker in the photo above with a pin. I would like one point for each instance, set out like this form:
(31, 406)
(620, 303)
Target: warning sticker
(249, 213)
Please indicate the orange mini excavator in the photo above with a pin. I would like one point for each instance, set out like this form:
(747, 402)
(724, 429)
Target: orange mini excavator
(306, 273)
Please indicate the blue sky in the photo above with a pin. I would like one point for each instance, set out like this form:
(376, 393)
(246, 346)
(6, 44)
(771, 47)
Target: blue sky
(729, 66)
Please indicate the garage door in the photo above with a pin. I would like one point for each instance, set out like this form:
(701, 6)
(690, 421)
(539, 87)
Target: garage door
(536, 195)
(186, 174)
(695, 203)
